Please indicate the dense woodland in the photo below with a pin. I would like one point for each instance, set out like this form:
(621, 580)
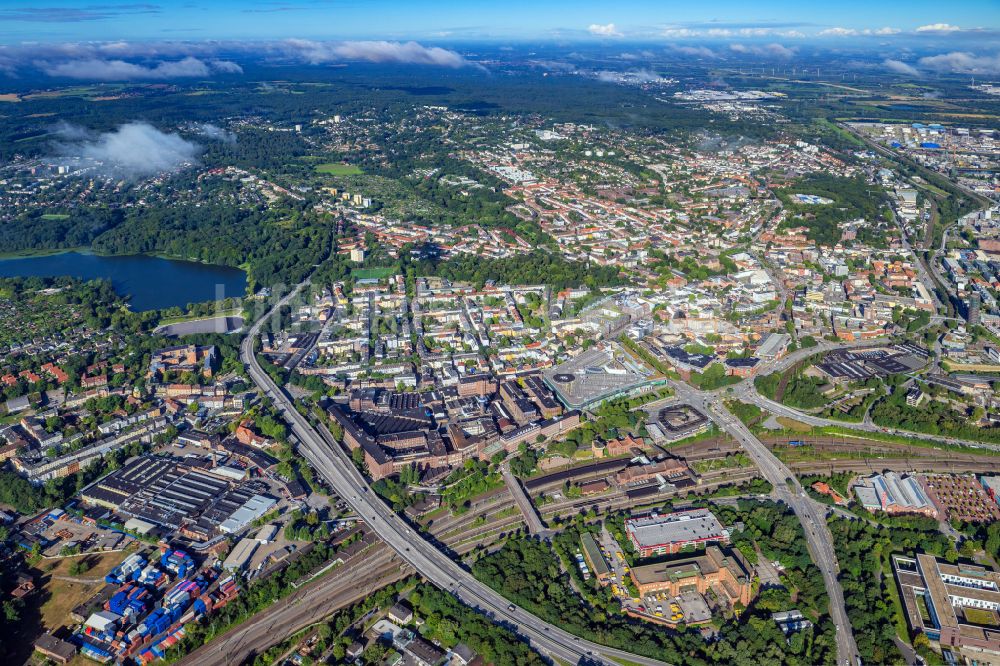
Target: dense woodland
(853, 198)
(863, 550)
(933, 417)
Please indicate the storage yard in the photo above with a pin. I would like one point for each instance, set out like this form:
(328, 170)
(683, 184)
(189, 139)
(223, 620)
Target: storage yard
(146, 603)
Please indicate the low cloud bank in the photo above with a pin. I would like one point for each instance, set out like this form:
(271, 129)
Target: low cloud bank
(133, 150)
(97, 69)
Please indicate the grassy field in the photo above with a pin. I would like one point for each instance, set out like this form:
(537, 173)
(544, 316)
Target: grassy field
(338, 169)
(59, 597)
(792, 424)
(370, 273)
(729, 462)
(55, 216)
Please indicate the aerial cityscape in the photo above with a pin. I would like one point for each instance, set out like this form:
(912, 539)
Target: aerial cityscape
(442, 333)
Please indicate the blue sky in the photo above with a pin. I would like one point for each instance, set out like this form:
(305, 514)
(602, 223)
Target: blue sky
(105, 20)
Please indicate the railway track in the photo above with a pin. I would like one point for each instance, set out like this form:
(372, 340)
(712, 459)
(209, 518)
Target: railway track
(873, 465)
(379, 566)
(356, 579)
(368, 571)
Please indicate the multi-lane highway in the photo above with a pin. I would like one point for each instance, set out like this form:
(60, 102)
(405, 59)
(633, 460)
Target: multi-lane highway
(788, 490)
(330, 460)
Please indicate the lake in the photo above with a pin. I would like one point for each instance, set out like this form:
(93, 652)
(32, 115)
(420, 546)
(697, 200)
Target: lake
(151, 283)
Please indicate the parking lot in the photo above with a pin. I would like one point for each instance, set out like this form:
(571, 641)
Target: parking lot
(690, 607)
(61, 534)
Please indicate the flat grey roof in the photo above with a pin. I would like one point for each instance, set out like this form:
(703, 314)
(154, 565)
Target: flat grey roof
(683, 526)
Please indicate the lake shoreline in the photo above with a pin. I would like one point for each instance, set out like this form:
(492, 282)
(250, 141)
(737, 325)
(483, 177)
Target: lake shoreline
(146, 281)
(89, 250)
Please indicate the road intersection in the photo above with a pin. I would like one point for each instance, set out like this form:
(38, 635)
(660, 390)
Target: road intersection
(788, 490)
(329, 459)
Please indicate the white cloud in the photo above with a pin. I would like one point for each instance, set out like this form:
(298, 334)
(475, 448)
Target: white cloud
(608, 30)
(97, 69)
(749, 31)
(838, 32)
(8, 66)
(900, 67)
(695, 51)
(122, 61)
(638, 75)
(675, 33)
(645, 54)
(938, 27)
(962, 62)
(756, 32)
(376, 51)
(225, 66)
(215, 133)
(773, 50)
(135, 149)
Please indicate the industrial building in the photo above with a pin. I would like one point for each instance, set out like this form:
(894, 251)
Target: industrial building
(254, 508)
(773, 346)
(661, 535)
(179, 494)
(240, 555)
(727, 574)
(595, 560)
(894, 494)
(847, 365)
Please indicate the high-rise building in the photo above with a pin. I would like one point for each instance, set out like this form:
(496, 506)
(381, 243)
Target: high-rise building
(975, 302)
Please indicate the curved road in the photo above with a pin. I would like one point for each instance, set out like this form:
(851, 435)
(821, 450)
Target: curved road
(787, 489)
(328, 458)
(747, 392)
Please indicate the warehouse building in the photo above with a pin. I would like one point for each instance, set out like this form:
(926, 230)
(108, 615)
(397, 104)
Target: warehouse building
(254, 508)
(178, 494)
(595, 560)
(240, 556)
(662, 535)
(894, 494)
